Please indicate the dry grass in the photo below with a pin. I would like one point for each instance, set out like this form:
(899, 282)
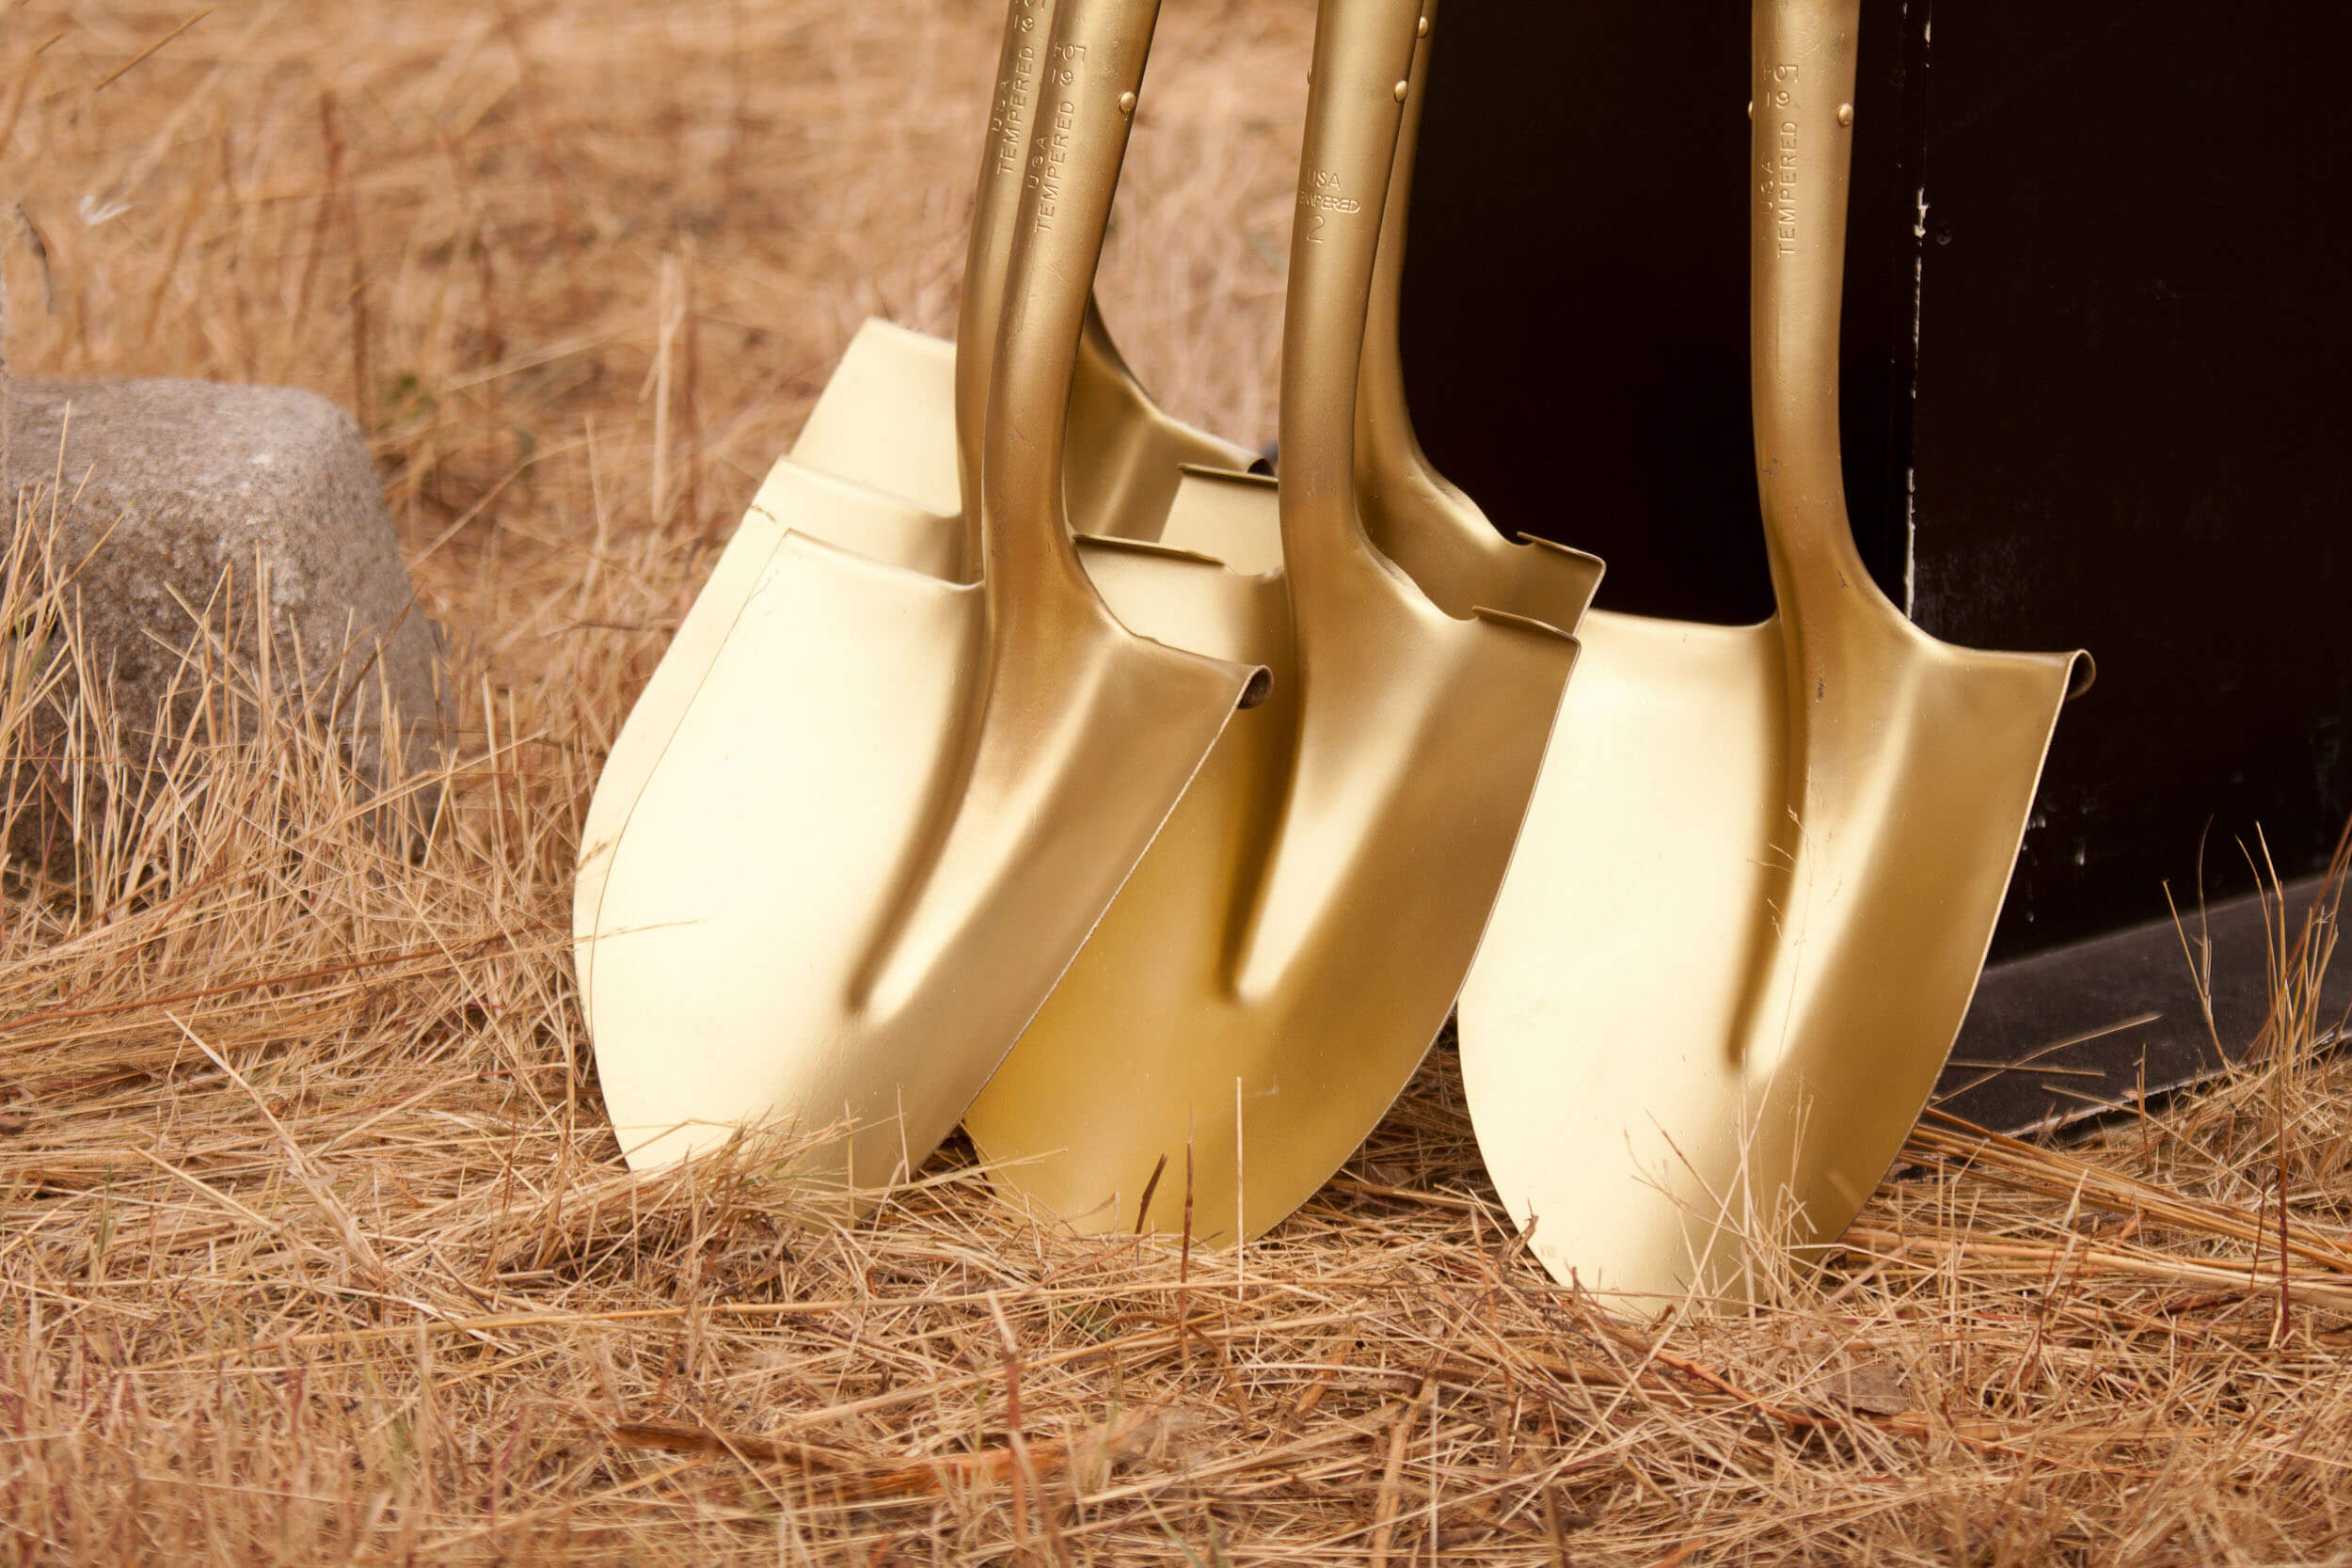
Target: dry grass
(316, 1246)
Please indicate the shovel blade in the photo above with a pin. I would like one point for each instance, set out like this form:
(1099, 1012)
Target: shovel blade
(1712, 1004)
(1277, 968)
(874, 471)
(769, 864)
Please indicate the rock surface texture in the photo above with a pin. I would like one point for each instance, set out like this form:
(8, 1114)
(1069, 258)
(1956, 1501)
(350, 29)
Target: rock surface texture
(181, 506)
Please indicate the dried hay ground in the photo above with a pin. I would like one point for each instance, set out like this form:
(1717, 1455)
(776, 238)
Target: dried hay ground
(315, 1247)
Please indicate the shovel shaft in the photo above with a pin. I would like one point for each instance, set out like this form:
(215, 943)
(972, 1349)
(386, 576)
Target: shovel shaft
(1387, 452)
(1414, 516)
(1363, 62)
(1803, 153)
(995, 208)
(1093, 60)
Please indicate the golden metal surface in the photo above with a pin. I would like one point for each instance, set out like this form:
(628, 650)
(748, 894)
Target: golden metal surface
(1764, 863)
(886, 419)
(879, 466)
(1280, 961)
(895, 805)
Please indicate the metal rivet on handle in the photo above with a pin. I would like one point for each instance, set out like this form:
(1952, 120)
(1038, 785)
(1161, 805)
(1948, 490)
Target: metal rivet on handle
(1126, 103)
(1401, 89)
(1845, 114)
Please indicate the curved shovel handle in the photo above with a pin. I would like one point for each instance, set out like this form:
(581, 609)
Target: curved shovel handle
(995, 209)
(1086, 100)
(1363, 63)
(1384, 440)
(1803, 145)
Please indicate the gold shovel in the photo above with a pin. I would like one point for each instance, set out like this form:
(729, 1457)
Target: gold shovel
(895, 806)
(1764, 863)
(1277, 967)
(888, 464)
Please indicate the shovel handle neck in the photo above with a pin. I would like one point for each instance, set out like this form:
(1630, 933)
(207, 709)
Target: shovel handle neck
(995, 209)
(1387, 452)
(1363, 60)
(1093, 67)
(1803, 153)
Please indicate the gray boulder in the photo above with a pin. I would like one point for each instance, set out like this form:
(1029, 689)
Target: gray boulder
(181, 505)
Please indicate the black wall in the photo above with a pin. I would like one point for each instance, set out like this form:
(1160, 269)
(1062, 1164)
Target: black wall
(2123, 420)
